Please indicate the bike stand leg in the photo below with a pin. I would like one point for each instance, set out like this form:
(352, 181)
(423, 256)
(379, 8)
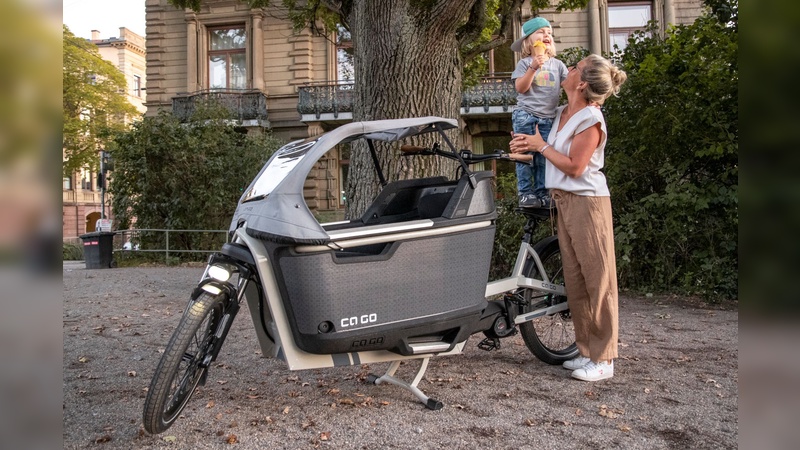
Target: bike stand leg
(389, 377)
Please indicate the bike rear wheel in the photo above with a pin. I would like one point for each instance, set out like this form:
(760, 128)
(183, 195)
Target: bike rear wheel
(182, 365)
(550, 338)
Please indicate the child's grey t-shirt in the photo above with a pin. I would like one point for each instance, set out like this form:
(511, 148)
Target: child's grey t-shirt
(542, 98)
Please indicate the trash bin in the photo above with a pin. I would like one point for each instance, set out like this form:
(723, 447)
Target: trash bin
(98, 249)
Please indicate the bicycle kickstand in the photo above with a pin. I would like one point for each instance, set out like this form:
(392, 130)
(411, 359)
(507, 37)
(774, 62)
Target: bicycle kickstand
(389, 377)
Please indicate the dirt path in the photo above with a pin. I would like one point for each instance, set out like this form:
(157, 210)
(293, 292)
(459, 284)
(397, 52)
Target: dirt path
(676, 383)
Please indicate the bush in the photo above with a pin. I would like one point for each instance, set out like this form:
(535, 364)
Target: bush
(672, 161)
(72, 252)
(170, 175)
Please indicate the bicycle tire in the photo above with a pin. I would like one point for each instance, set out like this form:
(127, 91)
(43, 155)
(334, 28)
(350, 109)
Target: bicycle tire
(550, 338)
(168, 393)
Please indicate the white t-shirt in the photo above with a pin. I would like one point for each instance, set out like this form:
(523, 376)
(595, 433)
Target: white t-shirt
(592, 182)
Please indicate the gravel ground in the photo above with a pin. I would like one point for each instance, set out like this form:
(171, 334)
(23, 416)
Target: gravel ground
(675, 383)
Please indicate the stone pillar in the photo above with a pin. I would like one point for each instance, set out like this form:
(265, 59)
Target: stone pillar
(258, 50)
(669, 14)
(191, 52)
(595, 27)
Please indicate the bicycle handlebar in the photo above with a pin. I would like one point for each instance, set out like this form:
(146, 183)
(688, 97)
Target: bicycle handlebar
(466, 155)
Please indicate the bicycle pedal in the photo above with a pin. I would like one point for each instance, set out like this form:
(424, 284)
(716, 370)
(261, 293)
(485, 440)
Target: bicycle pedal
(489, 344)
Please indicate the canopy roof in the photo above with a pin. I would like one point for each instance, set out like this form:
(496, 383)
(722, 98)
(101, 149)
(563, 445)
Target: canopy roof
(273, 204)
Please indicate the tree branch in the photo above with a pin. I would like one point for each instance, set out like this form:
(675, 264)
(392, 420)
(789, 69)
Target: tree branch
(471, 31)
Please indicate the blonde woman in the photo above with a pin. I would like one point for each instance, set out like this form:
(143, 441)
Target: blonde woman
(575, 152)
(537, 79)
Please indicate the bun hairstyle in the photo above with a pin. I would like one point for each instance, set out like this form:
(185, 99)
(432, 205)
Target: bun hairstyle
(602, 78)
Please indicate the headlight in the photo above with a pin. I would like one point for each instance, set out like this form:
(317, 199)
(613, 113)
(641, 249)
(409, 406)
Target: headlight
(219, 273)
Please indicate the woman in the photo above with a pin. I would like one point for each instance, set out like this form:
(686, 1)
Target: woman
(574, 152)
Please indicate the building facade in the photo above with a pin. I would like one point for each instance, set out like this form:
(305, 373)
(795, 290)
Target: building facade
(82, 197)
(297, 84)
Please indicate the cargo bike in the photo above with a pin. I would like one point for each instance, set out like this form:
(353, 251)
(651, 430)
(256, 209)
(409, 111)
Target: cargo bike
(405, 281)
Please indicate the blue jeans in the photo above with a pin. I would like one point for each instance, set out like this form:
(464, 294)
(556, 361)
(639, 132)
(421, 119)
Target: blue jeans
(525, 122)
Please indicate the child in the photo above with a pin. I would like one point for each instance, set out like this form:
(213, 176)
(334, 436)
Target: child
(537, 79)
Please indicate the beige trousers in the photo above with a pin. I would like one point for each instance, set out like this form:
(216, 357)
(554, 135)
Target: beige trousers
(586, 240)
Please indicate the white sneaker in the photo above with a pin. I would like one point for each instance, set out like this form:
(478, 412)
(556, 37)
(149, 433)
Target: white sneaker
(594, 371)
(575, 363)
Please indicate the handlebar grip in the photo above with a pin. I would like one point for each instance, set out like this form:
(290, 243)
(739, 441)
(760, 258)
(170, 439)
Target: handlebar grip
(412, 149)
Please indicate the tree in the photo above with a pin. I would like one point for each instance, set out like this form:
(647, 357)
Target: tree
(672, 158)
(408, 60)
(94, 103)
(184, 176)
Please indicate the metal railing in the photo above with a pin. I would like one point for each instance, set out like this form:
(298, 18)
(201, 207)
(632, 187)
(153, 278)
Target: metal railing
(494, 94)
(493, 91)
(321, 98)
(148, 240)
(241, 105)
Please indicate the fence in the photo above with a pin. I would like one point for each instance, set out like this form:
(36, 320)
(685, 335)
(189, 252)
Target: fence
(166, 241)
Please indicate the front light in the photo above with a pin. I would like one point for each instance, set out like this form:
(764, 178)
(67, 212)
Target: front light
(219, 273)
(211, 289)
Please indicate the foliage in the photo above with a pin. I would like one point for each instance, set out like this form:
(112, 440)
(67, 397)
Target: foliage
(71, 251)
(177, 176)
(672, 160)
(94, 103)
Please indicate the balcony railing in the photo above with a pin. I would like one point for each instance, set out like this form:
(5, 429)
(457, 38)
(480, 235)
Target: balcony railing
(244, 106)
(494, 95)
(335, 101)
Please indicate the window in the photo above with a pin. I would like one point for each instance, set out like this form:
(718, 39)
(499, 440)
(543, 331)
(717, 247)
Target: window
(67, 183)
(624, 19)
(227, 58)
(344, 56)
(137, 85)
(86, 180)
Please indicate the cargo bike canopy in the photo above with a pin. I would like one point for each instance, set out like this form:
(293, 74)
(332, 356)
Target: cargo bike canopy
(273, 206)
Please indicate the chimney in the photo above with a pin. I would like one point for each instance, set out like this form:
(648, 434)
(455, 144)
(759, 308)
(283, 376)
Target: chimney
(95, 35)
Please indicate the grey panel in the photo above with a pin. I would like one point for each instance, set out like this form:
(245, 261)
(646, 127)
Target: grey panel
(422, 277)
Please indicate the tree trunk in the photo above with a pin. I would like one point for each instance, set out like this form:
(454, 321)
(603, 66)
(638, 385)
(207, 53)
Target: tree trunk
(407, 64)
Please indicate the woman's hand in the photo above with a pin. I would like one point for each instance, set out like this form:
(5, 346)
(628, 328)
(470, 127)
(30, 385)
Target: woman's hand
(522, 143)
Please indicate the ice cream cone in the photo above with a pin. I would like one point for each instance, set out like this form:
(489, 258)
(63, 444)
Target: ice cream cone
(539, 48)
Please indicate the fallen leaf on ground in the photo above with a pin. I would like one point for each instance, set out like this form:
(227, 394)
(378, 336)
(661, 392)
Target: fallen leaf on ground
(102, 439)
(324, 436)
(131, 373)
(169, 438)
(210, 404)
(232, 439)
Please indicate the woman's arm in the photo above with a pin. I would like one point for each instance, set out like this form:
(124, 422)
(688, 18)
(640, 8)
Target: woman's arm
(573, 165)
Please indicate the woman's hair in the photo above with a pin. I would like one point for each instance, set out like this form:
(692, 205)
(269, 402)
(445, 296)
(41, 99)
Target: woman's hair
(527, 47)
(602, 78)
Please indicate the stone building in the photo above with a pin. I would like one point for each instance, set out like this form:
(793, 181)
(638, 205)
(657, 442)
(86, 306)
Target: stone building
(81, 199)
(296, 84)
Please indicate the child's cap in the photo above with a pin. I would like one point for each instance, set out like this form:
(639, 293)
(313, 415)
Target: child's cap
(527, 29)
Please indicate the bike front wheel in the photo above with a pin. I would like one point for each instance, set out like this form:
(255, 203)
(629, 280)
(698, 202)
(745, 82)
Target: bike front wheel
(183, 364)
(551, 338)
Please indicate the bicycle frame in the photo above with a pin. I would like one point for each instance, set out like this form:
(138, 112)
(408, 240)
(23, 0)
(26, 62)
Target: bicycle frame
(405, 281)
(519, 281)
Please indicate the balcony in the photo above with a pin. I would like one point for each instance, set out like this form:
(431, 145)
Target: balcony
(248, 108)
(494, 96)
(80, 197)
(326, 102)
